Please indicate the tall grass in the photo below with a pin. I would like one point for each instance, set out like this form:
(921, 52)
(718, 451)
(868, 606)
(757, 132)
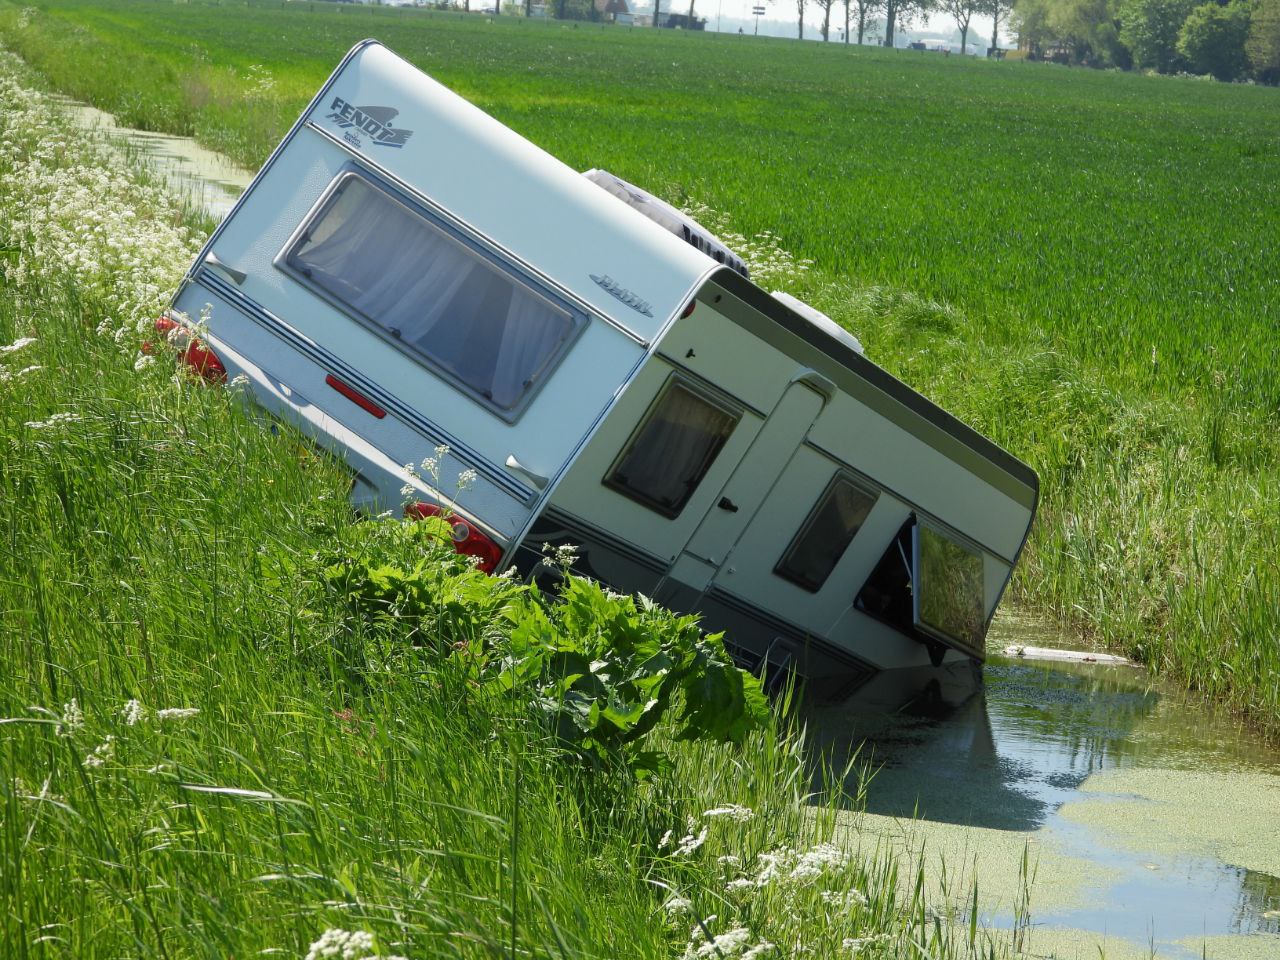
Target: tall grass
(1081, 264)
(202, 752)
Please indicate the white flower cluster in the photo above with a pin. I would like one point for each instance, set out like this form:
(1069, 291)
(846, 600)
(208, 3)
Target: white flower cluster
(72, 718)
(73, 210)
(177, 713)
(103, 752)
(55, 420)
(338, 944)
(771, 265)
(732, 811)
(734, 942)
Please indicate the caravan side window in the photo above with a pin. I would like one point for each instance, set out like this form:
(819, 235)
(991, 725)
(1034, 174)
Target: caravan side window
(673, 449)
(826, 534)
(430, 293)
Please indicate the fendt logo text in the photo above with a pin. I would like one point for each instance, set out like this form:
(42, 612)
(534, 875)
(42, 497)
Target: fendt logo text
(374, 122)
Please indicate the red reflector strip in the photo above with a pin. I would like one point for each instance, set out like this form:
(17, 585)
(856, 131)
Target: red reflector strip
(359, 399)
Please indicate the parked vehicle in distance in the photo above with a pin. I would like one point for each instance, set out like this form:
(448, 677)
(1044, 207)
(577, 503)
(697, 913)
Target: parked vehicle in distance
(406, 273)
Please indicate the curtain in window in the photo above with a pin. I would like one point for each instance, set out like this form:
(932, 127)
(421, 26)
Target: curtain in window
(672, 451)
(432, 293)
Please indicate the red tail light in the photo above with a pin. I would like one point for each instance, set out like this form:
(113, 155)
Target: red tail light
(165, 324)
(466, 538)
(204, 362)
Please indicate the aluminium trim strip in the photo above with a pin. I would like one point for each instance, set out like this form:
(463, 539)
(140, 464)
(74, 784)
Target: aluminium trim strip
(392, 404)
(589, 531)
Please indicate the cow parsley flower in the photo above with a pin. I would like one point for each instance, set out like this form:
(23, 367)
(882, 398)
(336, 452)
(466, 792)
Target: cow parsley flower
(338, 944)
(17, 345)
(54, 420)
(102, 752)
(690, 843)
(467, 479)
(72, 718)
(732, 811)
(177, 713)
(132, 712)
(677, 906)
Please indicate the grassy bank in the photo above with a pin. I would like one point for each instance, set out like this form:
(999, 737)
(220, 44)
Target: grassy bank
(1081, 264)
(214, 744)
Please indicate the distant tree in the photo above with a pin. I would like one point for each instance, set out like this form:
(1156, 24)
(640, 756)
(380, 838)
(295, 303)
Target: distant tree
(866, 9)
(1212, 39)
(1263, 43)
(998, 11)
(1149, 28)
(826, 6)
(800, 5)
(1083, 31)
(897, 12)
(962, 11)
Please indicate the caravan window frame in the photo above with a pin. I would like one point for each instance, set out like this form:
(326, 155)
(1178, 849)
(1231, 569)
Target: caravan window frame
(675, 381)
(810, 524)
(518, 277)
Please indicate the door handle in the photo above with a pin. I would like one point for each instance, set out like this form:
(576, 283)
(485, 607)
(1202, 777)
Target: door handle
(238, 276)
(537, 479)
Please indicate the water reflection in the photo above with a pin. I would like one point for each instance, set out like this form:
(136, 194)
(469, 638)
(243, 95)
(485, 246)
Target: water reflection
(1006, 750)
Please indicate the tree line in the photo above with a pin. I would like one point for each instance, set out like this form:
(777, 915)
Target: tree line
(1231, 40)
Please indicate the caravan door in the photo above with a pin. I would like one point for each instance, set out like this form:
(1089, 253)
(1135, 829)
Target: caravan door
(745, 494)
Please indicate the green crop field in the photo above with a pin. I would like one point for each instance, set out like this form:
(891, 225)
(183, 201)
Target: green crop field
(1082, 264)
(214, 742)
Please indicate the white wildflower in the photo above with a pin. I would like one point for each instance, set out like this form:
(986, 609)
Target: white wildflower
(563, 556)
(177, 713)
(467, 479)
(408, 490)
(442, 451)
(813, 863)
(759, 950)
(102, 752)
(690, 843)
(132, 712)
(731, 943)
(845, 898)
(666, 838)
(55, 420)
(341, 944)
(7, 376)
(239, 380)
(142, 361)
(733, 811)
(677, 906)
(739, 887)
(72, 718)
(17, 345)
(729, 860)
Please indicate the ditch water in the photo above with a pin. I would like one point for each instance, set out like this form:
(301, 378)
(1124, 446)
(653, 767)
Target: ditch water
(1149, 822)
(205, 178)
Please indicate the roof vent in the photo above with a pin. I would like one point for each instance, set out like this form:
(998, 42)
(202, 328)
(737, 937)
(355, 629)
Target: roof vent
(669, 218)
(820, 320)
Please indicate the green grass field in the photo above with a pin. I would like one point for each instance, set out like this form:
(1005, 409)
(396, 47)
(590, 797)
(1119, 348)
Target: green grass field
(206, 753)
(235, 721)
(1082, 264)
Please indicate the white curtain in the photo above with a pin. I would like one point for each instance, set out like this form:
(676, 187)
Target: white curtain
(667, 457)
(432, 292)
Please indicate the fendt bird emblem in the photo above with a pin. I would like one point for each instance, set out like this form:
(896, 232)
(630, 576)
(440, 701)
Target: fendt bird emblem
(374, 122)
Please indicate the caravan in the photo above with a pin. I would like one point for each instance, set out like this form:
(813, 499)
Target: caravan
(406, 273)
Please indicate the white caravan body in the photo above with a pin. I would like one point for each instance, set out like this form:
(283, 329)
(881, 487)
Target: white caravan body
(406, 273)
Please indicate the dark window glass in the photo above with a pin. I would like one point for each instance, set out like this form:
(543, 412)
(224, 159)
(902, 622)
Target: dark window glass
(949, 588)
(826, 534)
(672, 451)
(431, 293)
